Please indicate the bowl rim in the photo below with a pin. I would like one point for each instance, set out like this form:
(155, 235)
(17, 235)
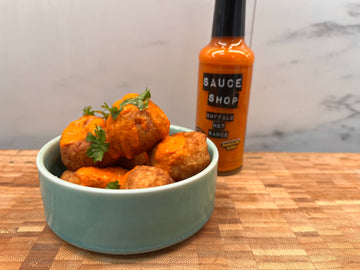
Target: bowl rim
(56, 180)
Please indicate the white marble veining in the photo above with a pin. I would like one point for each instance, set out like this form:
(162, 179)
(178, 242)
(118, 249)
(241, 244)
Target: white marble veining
(58, 56)
(306, 94)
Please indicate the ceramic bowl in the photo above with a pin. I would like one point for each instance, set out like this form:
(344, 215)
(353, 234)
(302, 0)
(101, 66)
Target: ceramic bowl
(125, 221)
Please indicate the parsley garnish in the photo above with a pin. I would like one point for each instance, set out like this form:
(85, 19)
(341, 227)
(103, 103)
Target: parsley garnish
(113, 185)
(87, 111)
(104, 114)
(98, 145)
(114, 111)
(141, 102)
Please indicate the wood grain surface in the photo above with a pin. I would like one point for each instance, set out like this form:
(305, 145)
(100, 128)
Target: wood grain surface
(282, 211)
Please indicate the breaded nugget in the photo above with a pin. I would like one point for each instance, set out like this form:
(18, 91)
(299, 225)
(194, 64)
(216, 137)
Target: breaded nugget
(95, 177)
(182, 155)
(146, 176)
(73, 144)
(134, 131)
(140, 159)
(67, 176)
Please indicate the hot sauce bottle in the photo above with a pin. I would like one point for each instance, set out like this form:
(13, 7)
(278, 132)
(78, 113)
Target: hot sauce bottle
(225, 70)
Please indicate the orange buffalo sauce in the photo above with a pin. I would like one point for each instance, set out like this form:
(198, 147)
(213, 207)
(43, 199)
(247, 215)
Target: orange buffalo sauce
(225, 71)
(135, 131)
(78, 130)
(171, 149)
(100, 177)
(113, 126)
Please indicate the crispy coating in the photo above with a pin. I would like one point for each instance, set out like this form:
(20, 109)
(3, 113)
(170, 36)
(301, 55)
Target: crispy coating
(73, 144)
(140, 159)
(146, 176)
(182, 155)
(135, 131)
(68, 175)
(95, 177)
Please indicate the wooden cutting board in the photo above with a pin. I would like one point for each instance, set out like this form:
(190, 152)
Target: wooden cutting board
(282, 211)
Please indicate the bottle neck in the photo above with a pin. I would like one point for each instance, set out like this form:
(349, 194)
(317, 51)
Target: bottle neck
(227, 42)
(229, 18)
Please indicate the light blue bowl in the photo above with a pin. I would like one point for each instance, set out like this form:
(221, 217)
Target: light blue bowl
(125, 221)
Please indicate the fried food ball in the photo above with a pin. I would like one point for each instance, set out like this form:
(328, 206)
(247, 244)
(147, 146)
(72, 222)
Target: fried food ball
(67, 175)
(140, 159)
(95, 177)
(135, 131)
(182, 155)
(146, 176)
(73, 144)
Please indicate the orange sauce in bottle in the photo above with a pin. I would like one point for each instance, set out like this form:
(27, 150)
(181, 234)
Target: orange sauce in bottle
(225, 71)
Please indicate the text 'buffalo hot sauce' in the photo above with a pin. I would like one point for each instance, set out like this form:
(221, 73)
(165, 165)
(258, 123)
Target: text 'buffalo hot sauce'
(225, 70)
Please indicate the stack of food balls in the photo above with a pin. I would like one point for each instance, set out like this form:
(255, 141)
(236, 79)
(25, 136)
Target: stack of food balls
(128, 146)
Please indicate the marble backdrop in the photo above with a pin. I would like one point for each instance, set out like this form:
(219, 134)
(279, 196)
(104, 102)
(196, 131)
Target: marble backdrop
(306, 86)
(58, 56)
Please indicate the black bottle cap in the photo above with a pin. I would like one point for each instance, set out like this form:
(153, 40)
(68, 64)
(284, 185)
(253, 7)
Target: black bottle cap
(229, 18)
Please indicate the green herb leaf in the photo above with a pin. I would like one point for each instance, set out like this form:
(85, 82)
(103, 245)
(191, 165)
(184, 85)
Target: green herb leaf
(113, 185)
(104, 114)
(87, 111)
(114, 111)
(98, 146)
(141, 102)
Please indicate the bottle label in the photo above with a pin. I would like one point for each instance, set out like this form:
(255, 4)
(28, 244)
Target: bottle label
(230, 145)
(223, 92)
(218, 124)
(223, 89)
